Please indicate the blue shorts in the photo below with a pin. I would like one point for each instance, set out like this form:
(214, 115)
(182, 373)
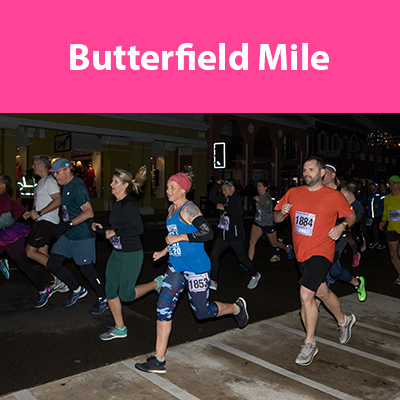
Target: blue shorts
(198, 293)
(82, 251)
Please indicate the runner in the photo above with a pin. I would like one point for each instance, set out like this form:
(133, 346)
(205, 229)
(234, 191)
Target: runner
(231, 233)
(391, 215)
(188, 267)
(313, 211)
(264, 223)
(126, 259)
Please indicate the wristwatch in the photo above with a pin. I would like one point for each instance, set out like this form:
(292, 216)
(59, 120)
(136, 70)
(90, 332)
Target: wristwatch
(39, 213)
(71, 224)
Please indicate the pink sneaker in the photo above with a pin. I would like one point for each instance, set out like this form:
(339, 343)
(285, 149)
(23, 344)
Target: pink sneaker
(356, 260)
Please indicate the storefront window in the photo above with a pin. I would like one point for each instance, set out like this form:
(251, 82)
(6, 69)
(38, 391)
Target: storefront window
(86, 165)
(157, 177)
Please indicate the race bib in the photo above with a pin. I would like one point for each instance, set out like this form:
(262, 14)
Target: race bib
(304, 223)
(258, 216)
(369, 222)
(64, 213)
(198, 282)
(174, 249)
(224, 222)
(394, 216)
(116, 242)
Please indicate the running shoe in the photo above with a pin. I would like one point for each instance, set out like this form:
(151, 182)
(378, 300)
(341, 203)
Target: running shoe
(152, 365)
(373, 244)
(59, 286)
(5, 268)
(356, 260)
(275, 258)
(290, 253)
(242, 317)
(213, 285)
(99, 307)
(307, 353)
(43, 298)
(114, 333)
(397, 281)
(74, 297)
(254, 281)
(159, 281)
(360, 289)
(345, 329)
(381, 246)
(364, 244)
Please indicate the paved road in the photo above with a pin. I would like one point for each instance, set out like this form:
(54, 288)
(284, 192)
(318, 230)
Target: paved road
(257, 363)
(39, 346)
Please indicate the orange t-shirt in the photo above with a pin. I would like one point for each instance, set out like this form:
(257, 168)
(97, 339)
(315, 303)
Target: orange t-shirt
(313, 215)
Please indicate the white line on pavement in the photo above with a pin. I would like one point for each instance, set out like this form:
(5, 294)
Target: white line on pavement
(24, 395)
(164, 384)
(336, 345)
(280, 371)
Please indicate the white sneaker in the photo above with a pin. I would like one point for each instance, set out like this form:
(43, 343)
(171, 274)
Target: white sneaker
(59, 286)
(254, 281)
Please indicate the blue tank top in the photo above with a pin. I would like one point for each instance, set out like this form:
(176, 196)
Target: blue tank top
(186, 256)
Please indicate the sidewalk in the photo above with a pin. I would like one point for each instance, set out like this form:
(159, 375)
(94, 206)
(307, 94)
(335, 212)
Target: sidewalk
(258, 363)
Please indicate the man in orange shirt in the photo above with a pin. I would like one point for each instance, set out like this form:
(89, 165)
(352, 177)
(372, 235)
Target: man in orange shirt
(314, 209)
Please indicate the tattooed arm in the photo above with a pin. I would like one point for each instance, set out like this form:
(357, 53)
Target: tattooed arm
(192, 215)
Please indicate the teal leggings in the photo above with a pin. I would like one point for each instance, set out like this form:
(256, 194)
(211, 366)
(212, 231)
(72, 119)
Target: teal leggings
(122, 272)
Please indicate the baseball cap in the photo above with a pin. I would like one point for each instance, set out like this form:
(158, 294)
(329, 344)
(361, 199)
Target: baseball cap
(375, 183)
(394, 179)
(351, 184)
(330, 168)
(61, 163)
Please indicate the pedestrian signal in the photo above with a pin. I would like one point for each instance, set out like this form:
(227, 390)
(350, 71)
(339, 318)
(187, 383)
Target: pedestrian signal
(219, 155)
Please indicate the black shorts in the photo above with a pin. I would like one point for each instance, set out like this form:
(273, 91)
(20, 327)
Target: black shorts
(41, 234)
(393, 236)
(265, 229)
(313, 272)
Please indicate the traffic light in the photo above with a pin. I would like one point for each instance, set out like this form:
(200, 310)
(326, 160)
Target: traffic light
(219, 155)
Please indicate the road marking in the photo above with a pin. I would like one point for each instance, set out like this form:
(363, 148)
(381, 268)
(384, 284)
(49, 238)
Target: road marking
(24, 395)
(380, 330)
(281, 371)
(162, 383)
(336, 345)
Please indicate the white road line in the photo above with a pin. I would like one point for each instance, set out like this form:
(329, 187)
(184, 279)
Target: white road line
(380, 330)
(24, 395)
(336, 345)
(164, 384)
(281, 371)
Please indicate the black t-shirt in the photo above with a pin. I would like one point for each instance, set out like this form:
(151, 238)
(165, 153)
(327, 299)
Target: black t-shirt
(127, 223)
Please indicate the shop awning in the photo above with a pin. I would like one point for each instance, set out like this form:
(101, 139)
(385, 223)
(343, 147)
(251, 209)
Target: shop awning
(21, 139)
(81, 141)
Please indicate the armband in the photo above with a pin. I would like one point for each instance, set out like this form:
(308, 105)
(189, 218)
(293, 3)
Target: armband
(204, 231)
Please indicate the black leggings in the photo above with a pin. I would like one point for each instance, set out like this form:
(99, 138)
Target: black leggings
(55, 265)
(240, 251)
(25, 266)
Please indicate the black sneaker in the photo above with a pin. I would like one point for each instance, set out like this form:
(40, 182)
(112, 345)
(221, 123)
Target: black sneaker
(74, 297)
(242, 318)
(152, 365)
(99, 307)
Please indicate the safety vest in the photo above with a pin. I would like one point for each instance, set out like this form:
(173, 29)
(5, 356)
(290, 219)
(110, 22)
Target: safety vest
(27, 187)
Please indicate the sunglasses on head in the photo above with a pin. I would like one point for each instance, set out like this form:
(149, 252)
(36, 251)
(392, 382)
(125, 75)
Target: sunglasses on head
(226, 182)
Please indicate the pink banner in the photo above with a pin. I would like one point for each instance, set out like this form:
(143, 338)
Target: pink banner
(209, 56)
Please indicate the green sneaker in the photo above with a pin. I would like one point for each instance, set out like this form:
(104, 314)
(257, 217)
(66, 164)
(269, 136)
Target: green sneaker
(115, 333)
(360, 289)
